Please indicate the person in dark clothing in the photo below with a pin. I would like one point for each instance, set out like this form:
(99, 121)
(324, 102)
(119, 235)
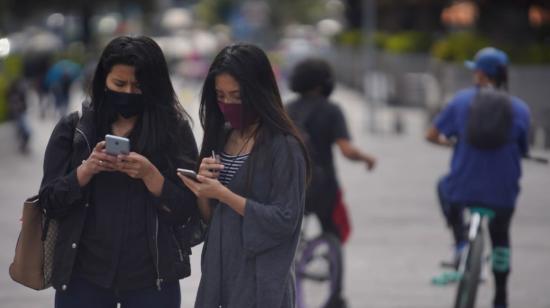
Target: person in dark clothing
(17, 106)
(253, 198)
(323, 125)
(35, 70)
(485, 172)
(118, 215)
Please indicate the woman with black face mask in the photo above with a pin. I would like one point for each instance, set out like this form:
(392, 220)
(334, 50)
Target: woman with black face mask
(253, 197)
(118, 215)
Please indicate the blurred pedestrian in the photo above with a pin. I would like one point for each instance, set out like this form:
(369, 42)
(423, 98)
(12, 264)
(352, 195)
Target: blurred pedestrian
(116, 215)
(59, 80)
(323, 125)
(488, 130)
(17, 106)
(35, 69)
(253, 196)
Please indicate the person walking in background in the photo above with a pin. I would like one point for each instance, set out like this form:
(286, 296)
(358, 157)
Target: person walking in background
(488, 130)
(59, 80)
(117, 215)
(253, 197)
(17, 105)
(35, 69)
(323, 125)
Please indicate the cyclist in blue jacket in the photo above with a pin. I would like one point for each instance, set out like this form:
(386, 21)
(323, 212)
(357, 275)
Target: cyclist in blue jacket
(488, 130)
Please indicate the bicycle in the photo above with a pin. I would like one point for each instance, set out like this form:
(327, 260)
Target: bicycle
(468, 270)
(318, 266)
(471, 261)
(470, 265)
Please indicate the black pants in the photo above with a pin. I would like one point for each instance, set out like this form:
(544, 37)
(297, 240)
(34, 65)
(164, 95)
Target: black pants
(83, 294)
(499, 231)
(322, 205)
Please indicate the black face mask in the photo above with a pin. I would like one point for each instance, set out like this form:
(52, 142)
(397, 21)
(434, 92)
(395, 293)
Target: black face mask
(125, 104)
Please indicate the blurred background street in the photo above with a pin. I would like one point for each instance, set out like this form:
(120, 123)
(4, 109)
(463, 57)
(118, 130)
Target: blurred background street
(397, 63)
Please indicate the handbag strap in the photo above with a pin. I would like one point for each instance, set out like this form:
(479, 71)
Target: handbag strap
(74, 119)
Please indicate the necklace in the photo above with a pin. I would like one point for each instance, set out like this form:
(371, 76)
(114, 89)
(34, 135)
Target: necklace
(246, 141)
(231, 163)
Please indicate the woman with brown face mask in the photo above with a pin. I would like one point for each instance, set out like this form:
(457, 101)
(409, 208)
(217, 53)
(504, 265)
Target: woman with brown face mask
(252, 197)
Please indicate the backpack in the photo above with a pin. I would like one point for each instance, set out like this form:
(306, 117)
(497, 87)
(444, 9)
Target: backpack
(490, 119)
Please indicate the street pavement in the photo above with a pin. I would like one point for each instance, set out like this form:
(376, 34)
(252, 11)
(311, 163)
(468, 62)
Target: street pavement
(398, 237)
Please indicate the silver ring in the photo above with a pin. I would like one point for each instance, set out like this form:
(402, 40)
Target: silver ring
(100, 162)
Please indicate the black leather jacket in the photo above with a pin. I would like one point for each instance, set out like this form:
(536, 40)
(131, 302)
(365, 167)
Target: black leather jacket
(66, 202)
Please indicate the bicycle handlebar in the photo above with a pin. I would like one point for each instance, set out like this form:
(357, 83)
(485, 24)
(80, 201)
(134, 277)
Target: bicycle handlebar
(536, 159)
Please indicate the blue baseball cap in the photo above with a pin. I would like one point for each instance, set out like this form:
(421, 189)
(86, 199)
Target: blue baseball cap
(488, 60)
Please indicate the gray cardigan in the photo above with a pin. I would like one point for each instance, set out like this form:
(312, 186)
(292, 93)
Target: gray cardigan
(247, 261)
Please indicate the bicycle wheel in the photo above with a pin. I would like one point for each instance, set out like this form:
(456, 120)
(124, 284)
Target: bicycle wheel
(467, 288)
(319, 272)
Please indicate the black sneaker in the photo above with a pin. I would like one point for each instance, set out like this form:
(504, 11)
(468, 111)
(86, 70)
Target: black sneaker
(336, 302)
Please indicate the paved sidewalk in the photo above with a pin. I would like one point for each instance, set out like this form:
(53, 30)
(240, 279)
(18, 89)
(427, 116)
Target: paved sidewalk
(398, 234)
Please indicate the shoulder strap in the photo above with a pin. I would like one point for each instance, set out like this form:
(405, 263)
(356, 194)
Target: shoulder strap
(75, 119)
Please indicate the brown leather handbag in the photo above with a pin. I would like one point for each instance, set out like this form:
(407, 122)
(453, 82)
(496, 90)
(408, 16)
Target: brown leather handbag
(33, 261)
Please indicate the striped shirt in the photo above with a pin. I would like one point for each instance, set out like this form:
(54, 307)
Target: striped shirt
(231, 164)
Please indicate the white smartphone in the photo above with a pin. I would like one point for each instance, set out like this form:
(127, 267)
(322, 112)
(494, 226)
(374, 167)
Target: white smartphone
(116, 145)
(188, 173)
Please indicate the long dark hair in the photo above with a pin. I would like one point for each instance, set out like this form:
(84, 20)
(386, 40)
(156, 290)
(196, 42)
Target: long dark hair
(158, 129)
(260, 96)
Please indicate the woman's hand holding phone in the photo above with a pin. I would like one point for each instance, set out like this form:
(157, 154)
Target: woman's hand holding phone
(98, 161)
(139, 167)
(204, 187)
(134, 165)
(205, 184)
